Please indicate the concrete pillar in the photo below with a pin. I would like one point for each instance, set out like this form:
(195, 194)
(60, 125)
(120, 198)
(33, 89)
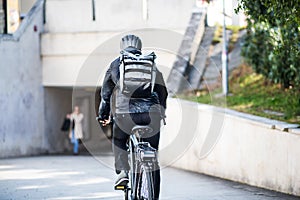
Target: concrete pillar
(2, 17)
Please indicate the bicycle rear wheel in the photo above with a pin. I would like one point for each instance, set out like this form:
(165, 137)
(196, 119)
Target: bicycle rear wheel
(145, 184)
(126, 193)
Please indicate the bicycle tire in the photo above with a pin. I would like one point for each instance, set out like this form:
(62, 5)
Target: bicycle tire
(126, 194)
(134, 170)
(132, 161)
(145, 189)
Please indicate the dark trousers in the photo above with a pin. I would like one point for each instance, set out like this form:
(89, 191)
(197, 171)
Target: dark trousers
(122, 126)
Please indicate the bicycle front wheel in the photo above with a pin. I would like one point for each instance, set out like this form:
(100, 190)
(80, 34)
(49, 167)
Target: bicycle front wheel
(145, 184)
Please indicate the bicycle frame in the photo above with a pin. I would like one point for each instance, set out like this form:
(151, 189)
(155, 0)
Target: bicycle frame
(141, 155)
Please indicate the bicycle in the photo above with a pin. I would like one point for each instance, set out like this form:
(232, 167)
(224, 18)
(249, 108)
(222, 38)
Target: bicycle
(142, 159)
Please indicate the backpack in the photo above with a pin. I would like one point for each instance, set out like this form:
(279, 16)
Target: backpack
(137, 74)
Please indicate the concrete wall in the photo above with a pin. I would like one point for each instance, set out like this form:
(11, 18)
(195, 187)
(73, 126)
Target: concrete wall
(26, 5)
(58, 102)
(232, 145)
(66, 56)
(68, 43)
(2, 18)
(21, 91)
(116, 15)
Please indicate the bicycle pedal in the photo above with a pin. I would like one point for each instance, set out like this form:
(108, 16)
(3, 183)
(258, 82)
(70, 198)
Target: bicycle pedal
(120, 187)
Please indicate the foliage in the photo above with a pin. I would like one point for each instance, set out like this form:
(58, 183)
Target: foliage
(218, 35)
(253, 93)
(272, 45)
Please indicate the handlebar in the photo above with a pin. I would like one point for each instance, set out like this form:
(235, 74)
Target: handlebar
(101, 122)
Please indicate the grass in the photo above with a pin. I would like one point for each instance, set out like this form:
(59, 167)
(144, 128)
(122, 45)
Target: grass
(252, 93)
(217, 35)
(233, 38)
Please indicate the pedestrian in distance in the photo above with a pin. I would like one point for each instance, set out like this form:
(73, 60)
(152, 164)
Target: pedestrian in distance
(76, 132)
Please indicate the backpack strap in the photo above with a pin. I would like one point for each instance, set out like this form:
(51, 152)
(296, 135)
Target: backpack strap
(121, 69)
(154, 70)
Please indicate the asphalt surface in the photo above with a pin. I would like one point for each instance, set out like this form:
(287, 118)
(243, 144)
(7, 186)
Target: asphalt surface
(87, 177)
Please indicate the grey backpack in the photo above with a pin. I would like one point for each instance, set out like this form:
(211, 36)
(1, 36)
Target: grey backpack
(137, 74)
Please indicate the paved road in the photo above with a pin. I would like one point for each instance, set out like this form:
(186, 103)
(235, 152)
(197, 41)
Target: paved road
(84, 177)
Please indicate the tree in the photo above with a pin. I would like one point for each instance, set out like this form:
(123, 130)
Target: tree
(272, 45)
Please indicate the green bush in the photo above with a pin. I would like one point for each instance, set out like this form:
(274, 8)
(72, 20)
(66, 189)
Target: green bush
(272, 44)
(257, 47)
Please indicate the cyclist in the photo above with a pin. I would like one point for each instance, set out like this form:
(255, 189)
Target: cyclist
(127, 112)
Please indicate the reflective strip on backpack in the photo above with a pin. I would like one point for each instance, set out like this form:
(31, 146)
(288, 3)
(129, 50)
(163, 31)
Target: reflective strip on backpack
(138, 62)
(153, 78)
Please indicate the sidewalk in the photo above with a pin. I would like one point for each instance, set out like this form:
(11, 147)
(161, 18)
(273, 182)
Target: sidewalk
(86, 177)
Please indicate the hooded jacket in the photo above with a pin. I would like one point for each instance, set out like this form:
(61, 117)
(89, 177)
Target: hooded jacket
(112, 99)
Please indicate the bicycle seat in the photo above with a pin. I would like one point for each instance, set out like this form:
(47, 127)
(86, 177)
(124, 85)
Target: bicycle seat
(141, 129)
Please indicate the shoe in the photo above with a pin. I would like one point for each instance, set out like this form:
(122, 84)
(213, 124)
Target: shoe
(122, 179)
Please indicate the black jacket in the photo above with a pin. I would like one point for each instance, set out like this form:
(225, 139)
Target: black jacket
(113, 101)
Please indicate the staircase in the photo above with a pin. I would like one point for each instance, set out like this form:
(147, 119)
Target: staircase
(199, 64)
(178, 77)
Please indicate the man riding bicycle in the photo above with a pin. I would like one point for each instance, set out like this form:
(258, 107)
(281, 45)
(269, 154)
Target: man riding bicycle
(134, 109)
